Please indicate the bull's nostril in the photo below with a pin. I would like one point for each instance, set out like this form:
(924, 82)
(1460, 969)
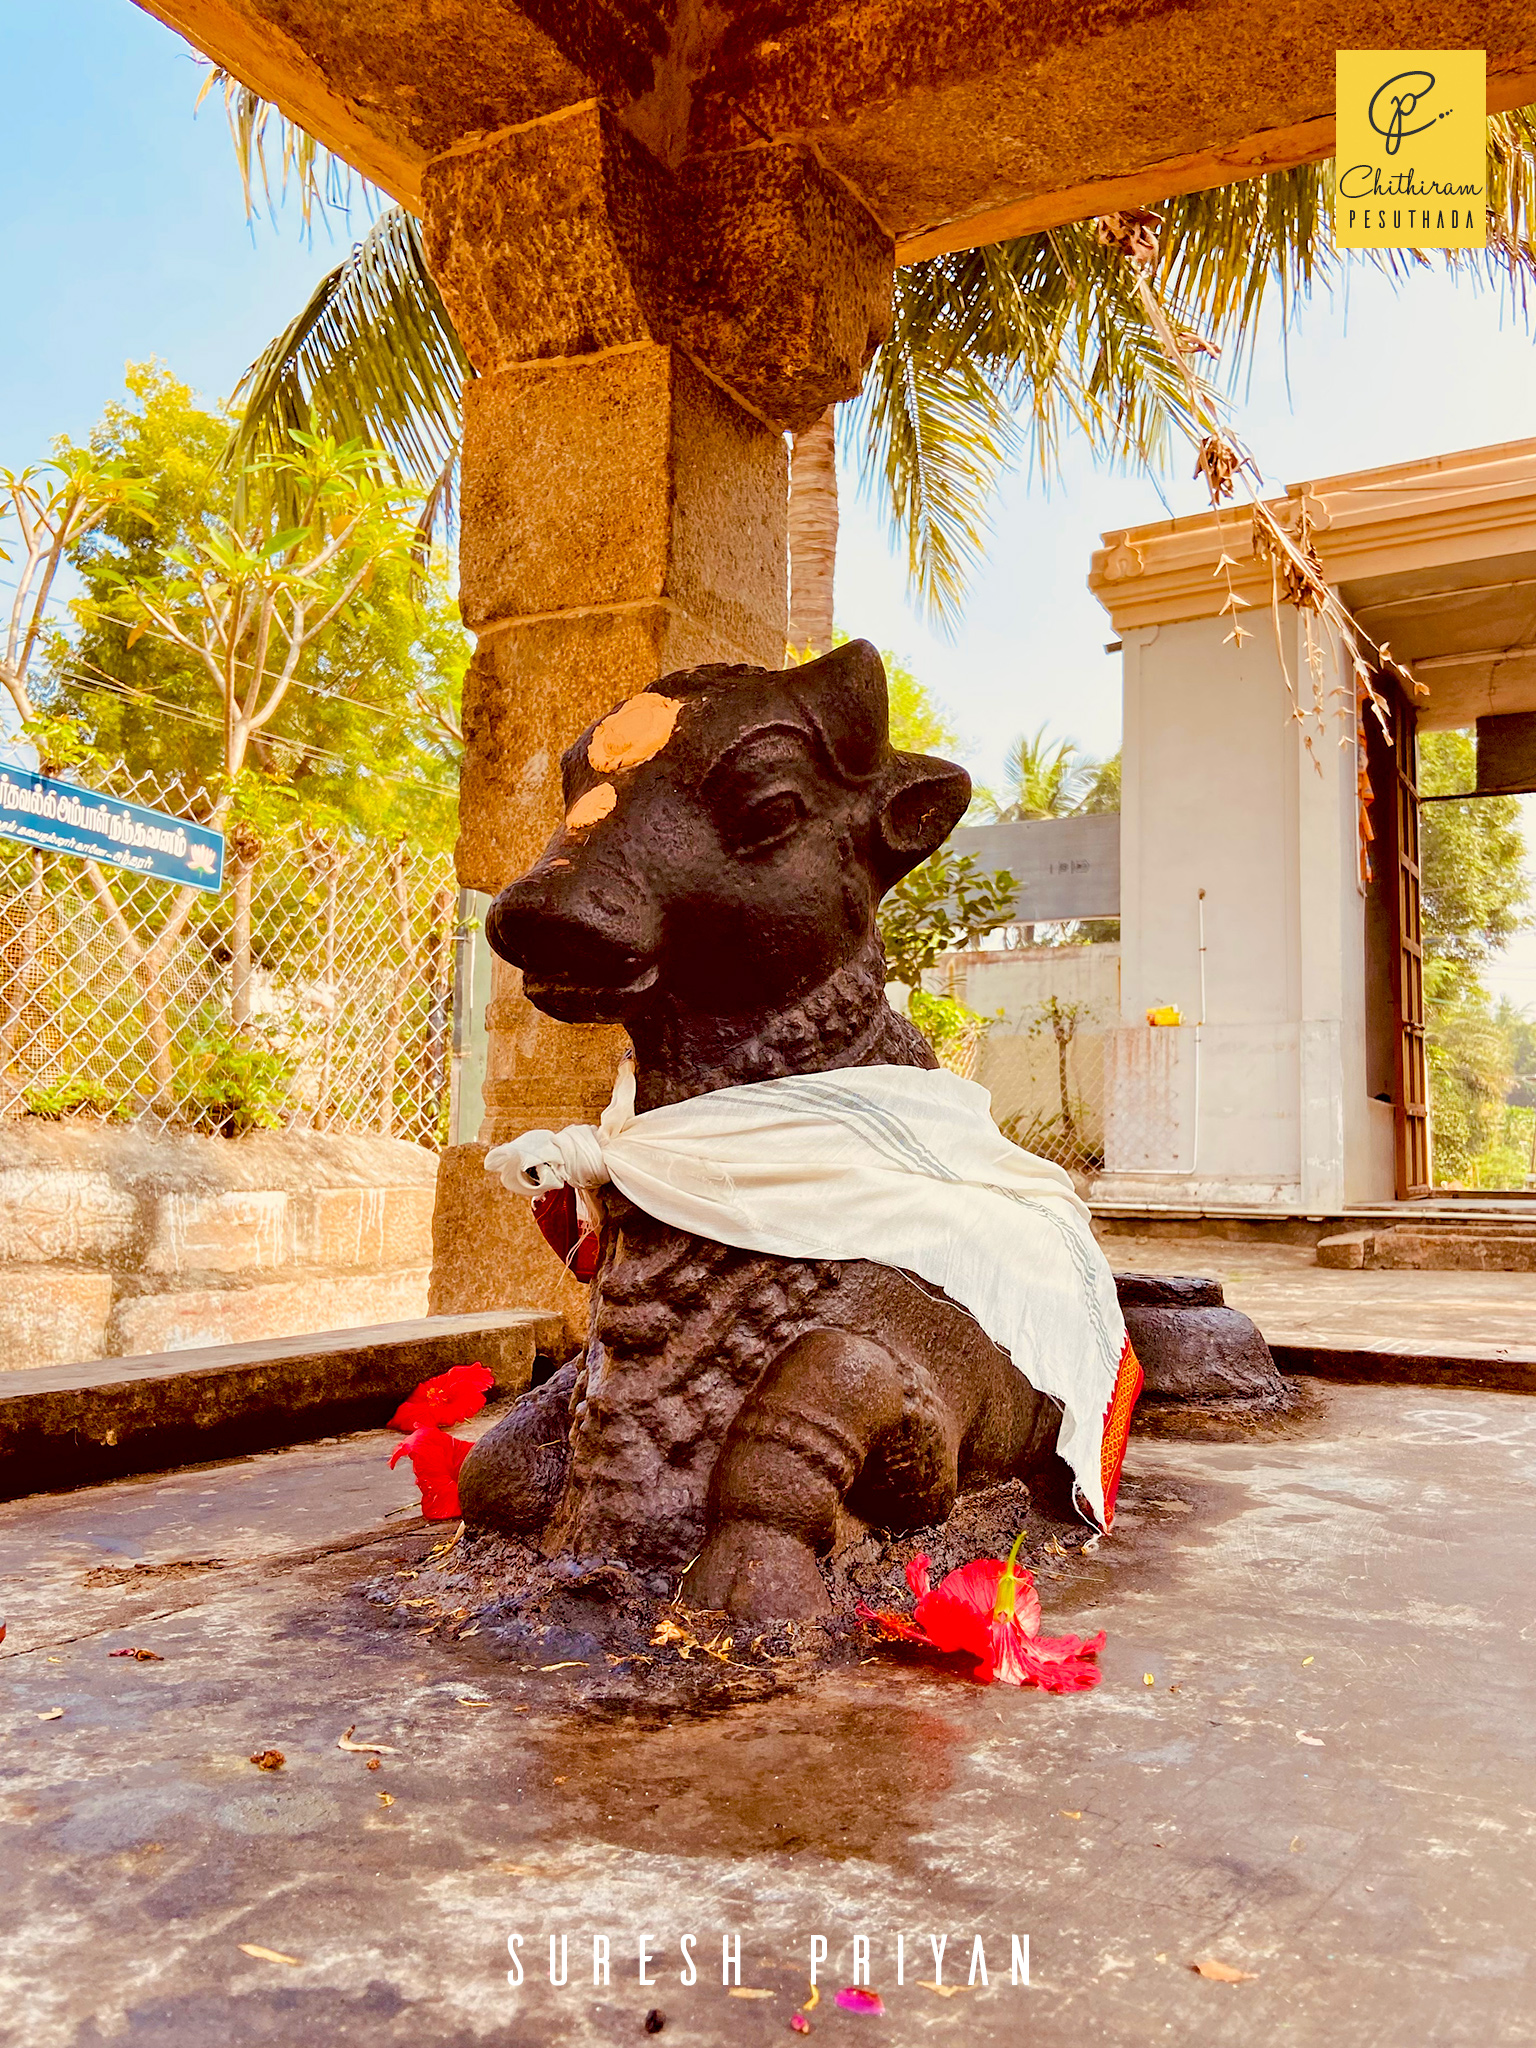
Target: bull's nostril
(582, 944)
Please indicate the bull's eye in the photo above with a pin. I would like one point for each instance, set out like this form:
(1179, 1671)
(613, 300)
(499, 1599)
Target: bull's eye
(765, 823)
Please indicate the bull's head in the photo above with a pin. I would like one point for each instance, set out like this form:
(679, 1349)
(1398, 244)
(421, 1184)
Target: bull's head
(727, 836)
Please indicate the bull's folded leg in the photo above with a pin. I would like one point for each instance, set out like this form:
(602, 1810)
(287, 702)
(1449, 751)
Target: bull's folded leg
(820, 1414)
(512, 1479)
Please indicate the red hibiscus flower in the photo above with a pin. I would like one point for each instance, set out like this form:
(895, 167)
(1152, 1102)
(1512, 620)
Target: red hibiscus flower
(435, 1459)
(452, 1397)
(991, 1611)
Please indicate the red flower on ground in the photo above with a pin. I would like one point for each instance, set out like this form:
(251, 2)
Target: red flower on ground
(856, 1999)
(435, 1459)
(991, 1611)
(452, 1397)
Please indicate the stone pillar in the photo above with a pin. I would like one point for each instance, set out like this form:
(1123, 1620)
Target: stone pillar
(643, 339)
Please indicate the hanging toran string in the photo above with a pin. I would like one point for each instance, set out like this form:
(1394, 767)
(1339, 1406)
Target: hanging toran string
(1296, 574)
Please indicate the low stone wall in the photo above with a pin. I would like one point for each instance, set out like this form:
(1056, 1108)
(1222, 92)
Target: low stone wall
(66, 1426)
(119, 1241)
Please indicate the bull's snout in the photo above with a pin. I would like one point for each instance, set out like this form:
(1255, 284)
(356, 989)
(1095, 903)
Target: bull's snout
(583, 952)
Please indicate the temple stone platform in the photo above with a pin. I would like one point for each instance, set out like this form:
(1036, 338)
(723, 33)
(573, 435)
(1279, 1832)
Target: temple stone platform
(1485, 1318)
(1310, 1761)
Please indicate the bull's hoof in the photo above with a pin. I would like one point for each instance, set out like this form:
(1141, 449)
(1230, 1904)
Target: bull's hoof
(513, 1478)
(1193, 1348)
(755, 1573)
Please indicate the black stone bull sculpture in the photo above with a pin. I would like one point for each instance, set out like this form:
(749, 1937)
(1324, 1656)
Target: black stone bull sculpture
(728, 836)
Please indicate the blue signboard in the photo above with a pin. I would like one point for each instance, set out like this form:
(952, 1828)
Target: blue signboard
(61, 818)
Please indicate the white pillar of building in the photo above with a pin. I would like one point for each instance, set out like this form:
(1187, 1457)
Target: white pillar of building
(1257, 1099)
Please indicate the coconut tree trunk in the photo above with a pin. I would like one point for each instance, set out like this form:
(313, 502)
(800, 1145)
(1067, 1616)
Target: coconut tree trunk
(812, 536)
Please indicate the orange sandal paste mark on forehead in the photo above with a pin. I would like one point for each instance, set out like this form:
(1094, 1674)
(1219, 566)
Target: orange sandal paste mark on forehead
(634, 733)
(586, 810)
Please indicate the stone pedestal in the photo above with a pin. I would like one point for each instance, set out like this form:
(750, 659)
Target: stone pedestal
(644, 336)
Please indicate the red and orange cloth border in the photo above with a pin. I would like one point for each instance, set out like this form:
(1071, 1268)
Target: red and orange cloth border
(1117, 1426)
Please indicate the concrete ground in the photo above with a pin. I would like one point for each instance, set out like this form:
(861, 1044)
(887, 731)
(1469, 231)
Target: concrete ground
(1328, 1784)
(1295, 1301)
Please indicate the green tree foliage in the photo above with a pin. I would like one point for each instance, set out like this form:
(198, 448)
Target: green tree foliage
(919, 725)
(945, 901)
(1519, 1029)
(1473, 858)
(365, 735)
(1104, 790)
(1469, 1071)
(1474, 895)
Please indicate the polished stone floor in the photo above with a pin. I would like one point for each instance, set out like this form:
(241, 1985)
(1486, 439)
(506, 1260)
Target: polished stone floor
(1312, 1760)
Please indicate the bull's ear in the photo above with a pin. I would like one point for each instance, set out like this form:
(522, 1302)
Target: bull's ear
(844, 694)
(925, 801)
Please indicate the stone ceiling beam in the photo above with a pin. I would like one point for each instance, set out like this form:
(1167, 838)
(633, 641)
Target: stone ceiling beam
(954, 126)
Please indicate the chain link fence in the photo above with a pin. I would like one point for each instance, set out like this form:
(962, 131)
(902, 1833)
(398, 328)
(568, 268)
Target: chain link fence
(1067, 1081)
(314, 991)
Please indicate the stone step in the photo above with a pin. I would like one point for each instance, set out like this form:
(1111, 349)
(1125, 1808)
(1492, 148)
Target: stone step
(1488, 1369)
(1442, 1248)
(63, 1426)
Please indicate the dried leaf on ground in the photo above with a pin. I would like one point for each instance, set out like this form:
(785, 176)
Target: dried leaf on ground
(268, 1759)
(53, 1714)
(465, 1701)
(741, 1991)
(373, 1764)
(570, 1664)
(1312, 1741)
(1222, 1973)
(655, 2020)
(364, 1748)
(1067, 1814)
(386, 1799)
(266, 1955)
(143, 1656)
(669, 1631)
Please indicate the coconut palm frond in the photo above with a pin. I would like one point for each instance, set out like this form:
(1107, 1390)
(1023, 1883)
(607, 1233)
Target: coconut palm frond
(993, 350)
(1045, 779)
(322, 180)
(1508, 262)
(931, 432)
(373, 357)
(1112, 378)
(1512, 175)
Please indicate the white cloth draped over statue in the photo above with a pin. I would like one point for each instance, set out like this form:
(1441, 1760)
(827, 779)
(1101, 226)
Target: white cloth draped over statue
(900, 1165)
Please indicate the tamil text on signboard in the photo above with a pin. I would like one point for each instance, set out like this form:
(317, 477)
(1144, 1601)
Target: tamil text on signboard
(61, 818)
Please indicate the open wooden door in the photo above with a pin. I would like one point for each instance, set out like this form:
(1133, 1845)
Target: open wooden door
(1411, 1091)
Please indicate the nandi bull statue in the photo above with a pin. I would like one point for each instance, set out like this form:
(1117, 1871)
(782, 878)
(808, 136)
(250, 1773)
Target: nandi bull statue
(827, 1285)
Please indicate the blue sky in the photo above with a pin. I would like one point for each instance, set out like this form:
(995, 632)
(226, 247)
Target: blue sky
(123, 236)
(122, 226)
